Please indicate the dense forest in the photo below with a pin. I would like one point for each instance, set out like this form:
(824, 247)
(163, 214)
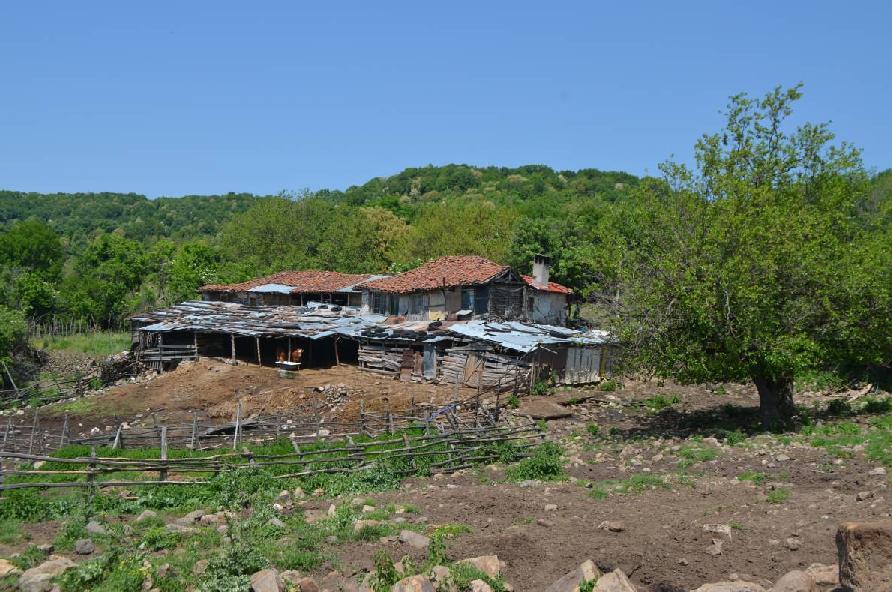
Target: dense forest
(770, 255)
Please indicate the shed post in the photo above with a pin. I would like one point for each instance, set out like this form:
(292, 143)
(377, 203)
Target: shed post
(232, 340)
(337, 359)
(289, 348)
(195, 343)
(238, 423)
(162, 474)
(257, 343)
(63, 439)
(161, 352)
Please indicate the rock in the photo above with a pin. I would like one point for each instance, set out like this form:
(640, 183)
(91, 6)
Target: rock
(314, 516)
(46, 548)
(200, 567)
(84, 547)
(267, 580)
(94, 527)
(865, 555)
(542, 408)
(615, 581)
(307, 584)
(37, 579)
(332, 511)
(192, 517)
(163, 570)
(795, 581)
(179, 528)
(793, 543)
(367, 508)
(8, 569)
(718, 529)
(544, 522)
(862, 496)
(413, 584)
(442, 578)
(550, 507)
(715, 549)
(414, 539)
(275, 523)
(480, 586)
(146, 515)
(612, 525)
(824, 575)
(877, 472)
(571, 581)
(488, 564)
(738, 586)
(210, 519)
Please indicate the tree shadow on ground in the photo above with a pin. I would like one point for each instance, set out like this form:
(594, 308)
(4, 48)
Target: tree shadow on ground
(719, 422)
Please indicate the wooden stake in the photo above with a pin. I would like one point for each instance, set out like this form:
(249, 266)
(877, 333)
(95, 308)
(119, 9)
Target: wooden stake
(63, 439)
(6, 433)
(193, 442)
(238, 423)
(232, 341)
(162, 474)
(117, 443)
(33, 430)
(257, 342)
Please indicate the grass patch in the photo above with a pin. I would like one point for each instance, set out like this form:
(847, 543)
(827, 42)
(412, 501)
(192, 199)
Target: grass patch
(100, 344)
(778, 496)
(694, 453)
(659, 402)
(753, 477)
(11, 531)
(631, 485)
(609, 386)
(593, 429)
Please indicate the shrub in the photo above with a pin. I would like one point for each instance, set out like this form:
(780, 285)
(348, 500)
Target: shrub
(778, 496)
(593, 429)
(659, 402)
(609, 385)
(544, 464)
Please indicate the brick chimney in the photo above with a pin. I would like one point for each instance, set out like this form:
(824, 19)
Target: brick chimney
(541, 269)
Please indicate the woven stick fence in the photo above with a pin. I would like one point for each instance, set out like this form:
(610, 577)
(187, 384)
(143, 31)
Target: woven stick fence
(400, 454)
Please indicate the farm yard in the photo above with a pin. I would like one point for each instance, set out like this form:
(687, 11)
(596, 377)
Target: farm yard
(676, 486)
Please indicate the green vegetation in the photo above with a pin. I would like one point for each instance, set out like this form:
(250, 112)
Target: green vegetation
(631, 485)
(544, 464)
(609, 385)
(691, 454)
(753, 477)
(778, 495)
(659, 402)
(99, 344)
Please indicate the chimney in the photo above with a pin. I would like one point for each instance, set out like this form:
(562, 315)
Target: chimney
(541, 269)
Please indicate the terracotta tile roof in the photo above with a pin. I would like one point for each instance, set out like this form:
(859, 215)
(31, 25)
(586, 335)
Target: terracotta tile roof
(550, 287)
(461, 270)
(299, 281)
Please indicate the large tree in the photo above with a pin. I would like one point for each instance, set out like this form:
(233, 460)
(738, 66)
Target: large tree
(757, 263)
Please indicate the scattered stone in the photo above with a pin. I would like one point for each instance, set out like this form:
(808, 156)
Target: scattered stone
(683, 561)
(612, 526)
(416, 540)
(862, 496)
(615, 581)
(275, 523)
(782, 458)
(332, 511)
(46, 548)
(8, 569)
(179, 528)
(367, 508)
(793, 543)
(210, 519)
(544, 522)
(314, 516)
(715, 549)
(718, 529)
(267, 580)
(413, 584)
(442, 578)
(146, 515)
(488, 564)
(480, 586)
(738, 586)
(37, 579)
(84, 547)
(200, 567)
(94, 527)
(307, 584)
(877, 472)
(571, 581)
(163, 570)
(550, 507)
(542, 408)
(284, 497)
(193, 516)
(865, 555)
(824, 575)
(795, 581)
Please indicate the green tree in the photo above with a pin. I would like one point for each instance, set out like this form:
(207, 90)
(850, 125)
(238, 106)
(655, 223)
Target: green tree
(13, 330)
(33, 246)
(755, 265)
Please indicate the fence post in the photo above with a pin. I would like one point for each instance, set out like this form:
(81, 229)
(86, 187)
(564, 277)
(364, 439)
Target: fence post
(91, 470)
(162, 474)
(6, 433)
(194, 431)
(117, 443)
(362, 417)
(33, 429)
(238, 423)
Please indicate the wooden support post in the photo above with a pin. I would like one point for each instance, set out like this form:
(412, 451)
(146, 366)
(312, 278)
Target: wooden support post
(238, 423)
(195, 343)
(412, 408)
(362, 428)
(63, 439)
(232, 341)
(194, 440)
(161, 352)
(117, 443)
(257, 342)
(337, 358)
(390, 426)
(162, 474)
(33, 430)
(11, 381)
(289, 348)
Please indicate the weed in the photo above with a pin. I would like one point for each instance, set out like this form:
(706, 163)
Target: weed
(720, 390)
(609, 386)
(631, 485)
(99, 344)
(465, 573)
(693, 454)
(735, 438)
(513, 401)
(384, 575)
(778, 496)
(752, 477)
(10, 531)
(543, 464)
(29, 558)
(541, 388)
(593, 429)
(659, 402)
(157, 538)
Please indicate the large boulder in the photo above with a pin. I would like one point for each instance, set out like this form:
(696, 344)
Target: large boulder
(8, 569)
(37, 579)
(267, 580)
(796, 581)
(615, 581)
(488, 564)
(414, 539)
(824, 575)
(571, 581)
(865, 556)
(480, 586)
(413, 584)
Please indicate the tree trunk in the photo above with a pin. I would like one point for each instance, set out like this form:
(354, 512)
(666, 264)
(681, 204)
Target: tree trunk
(775, 401)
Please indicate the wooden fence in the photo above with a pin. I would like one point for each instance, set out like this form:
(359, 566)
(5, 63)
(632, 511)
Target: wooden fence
(430, 451)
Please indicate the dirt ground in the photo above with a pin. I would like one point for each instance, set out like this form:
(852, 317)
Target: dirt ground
(705, 525)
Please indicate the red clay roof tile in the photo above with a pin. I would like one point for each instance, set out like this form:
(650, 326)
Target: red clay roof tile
(300, 282)
(550, 287)
(451, 271)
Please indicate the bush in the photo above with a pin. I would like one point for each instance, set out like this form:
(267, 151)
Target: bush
(543, 465)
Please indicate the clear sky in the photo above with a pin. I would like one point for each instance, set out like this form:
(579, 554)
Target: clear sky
(172, 98)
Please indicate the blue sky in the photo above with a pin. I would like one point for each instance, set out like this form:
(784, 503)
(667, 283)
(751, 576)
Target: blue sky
(173, 98)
